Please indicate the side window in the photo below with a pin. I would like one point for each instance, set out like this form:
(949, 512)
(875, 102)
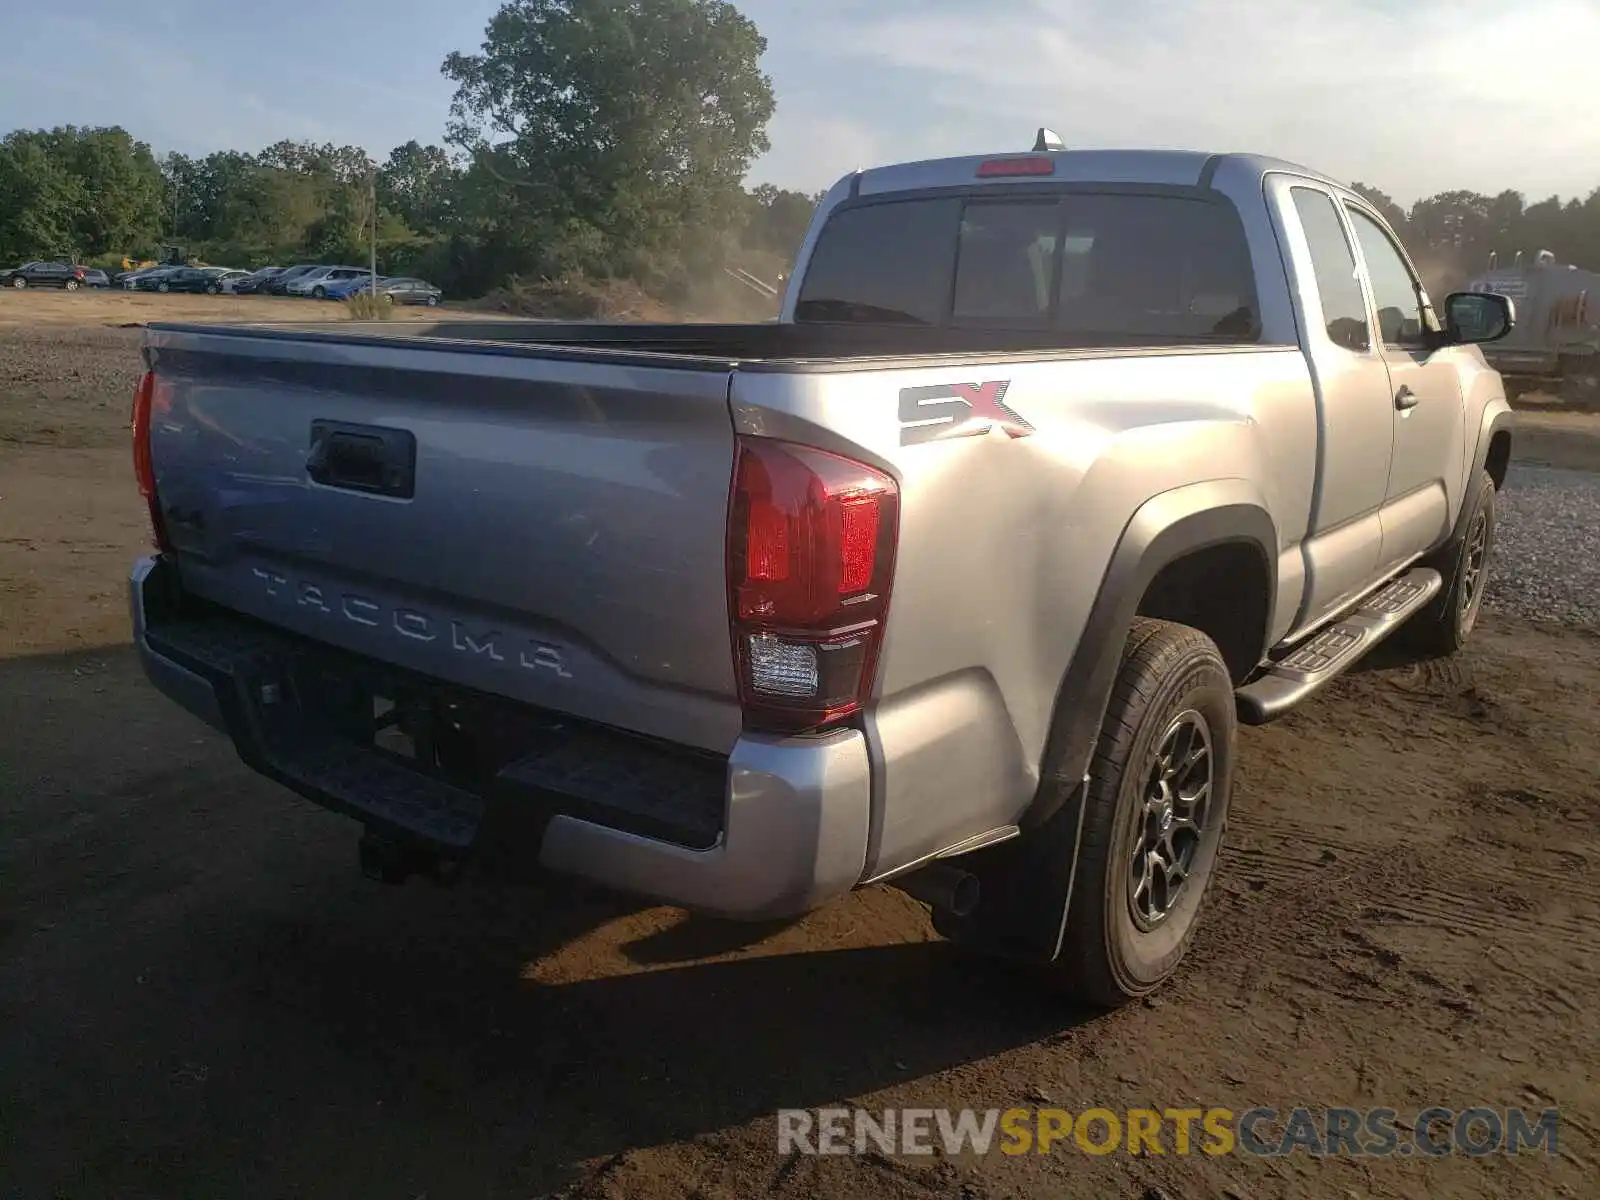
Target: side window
(1005, 265)
(1344, 309)
(1394, 291)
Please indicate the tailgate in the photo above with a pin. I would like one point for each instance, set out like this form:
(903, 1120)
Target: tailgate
(547, 528)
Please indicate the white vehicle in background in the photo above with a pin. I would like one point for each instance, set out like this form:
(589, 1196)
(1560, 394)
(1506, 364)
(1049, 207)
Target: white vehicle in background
(316, 283)
(229, 277)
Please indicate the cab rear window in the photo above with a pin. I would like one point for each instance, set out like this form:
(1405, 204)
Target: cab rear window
(1109, 265)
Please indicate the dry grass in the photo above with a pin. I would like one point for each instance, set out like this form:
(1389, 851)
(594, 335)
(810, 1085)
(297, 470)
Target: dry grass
(363, 306)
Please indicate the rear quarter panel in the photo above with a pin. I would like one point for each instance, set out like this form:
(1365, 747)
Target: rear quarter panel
(1004, 541)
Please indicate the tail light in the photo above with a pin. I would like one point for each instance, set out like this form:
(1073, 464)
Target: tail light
(144, 401)
(811, 543)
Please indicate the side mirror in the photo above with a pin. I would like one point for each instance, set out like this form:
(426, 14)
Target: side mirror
(1472, 317)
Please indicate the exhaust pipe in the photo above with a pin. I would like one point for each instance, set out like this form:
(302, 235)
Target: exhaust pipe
(946, 889)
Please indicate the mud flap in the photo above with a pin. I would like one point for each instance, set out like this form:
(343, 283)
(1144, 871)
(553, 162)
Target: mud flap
(1024, 890)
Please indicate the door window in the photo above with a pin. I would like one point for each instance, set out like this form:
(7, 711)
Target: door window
(1394, 288)
(1333, 262)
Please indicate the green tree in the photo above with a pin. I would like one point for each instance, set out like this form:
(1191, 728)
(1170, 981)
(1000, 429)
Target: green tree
(1387, 208)
(618, 128)
(76, 192)
(778, 220)
(421, 184)
(38, 201)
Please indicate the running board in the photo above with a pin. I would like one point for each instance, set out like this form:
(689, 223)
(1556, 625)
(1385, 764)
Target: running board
(1329, 653)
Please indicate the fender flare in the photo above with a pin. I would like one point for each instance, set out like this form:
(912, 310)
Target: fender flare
(1164, 529)
(1498, 418)
(1027, 882)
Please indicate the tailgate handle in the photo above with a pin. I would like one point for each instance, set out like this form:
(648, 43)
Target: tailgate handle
(375, 459)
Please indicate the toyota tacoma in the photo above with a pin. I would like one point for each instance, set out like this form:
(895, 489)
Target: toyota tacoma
(1057, 467)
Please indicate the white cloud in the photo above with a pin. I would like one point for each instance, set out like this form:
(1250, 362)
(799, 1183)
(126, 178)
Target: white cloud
(1413, 97)
(810, 150)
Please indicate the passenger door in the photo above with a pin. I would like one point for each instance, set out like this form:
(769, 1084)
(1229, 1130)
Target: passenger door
(1354, 409)
(1424, 490)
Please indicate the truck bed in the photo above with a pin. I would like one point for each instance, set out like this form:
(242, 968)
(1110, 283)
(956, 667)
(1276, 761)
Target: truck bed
(754, 346)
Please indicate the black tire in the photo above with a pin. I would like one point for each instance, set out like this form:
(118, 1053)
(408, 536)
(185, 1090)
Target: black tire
(319, 292)
(18, 282)
(213, 290)
(432, 302)
(163, 287)
(1113, 951)
(1445, 625)
(70, 285)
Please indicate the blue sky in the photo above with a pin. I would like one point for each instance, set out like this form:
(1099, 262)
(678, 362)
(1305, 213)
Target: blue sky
(1412, 96)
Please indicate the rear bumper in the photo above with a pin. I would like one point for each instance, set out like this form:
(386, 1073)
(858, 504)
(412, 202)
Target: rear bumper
(794, 813)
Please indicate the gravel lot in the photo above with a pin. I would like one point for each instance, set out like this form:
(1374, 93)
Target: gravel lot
(1547, 557)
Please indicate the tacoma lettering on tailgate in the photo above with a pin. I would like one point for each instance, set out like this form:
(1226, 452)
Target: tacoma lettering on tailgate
(413, 624)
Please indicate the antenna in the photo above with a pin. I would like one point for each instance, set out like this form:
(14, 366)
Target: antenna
(1048, 139)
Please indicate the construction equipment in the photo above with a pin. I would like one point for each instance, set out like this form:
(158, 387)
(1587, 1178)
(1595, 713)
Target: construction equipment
(1555, 346)
(172, 255)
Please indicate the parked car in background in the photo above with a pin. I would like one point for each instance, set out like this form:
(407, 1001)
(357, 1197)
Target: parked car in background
(129, 280)
(44, 274)
(277, 285)
(343, 289)
(397, 289)
(230, 279)
(96, 278)
(405, 290)
(315, 283)
(251, 283)
(180, 279)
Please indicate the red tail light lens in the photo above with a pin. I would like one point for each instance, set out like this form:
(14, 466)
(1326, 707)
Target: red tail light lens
(811, 544)
(144, 402)
(997, 168)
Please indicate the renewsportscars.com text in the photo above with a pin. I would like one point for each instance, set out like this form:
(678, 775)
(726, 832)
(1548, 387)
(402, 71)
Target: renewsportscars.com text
(1261, 1132)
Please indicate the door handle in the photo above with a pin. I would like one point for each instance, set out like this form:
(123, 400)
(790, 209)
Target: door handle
(1405, 398)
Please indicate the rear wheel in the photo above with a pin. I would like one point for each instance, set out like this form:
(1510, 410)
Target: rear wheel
(1156, 808)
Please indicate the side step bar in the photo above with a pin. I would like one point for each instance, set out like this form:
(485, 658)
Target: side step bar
(1326, 655)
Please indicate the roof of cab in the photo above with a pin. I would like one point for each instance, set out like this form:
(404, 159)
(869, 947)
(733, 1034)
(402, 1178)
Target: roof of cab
(1184, 168)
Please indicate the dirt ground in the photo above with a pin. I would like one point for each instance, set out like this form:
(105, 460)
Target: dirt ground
(200, 997)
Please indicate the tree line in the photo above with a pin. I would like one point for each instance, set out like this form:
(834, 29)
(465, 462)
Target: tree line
(585, 138)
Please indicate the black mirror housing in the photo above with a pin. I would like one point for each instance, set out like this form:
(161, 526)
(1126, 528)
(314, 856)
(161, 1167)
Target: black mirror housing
(1474, 317)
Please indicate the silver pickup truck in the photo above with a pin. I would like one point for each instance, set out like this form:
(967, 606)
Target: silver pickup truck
(1057, 467)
